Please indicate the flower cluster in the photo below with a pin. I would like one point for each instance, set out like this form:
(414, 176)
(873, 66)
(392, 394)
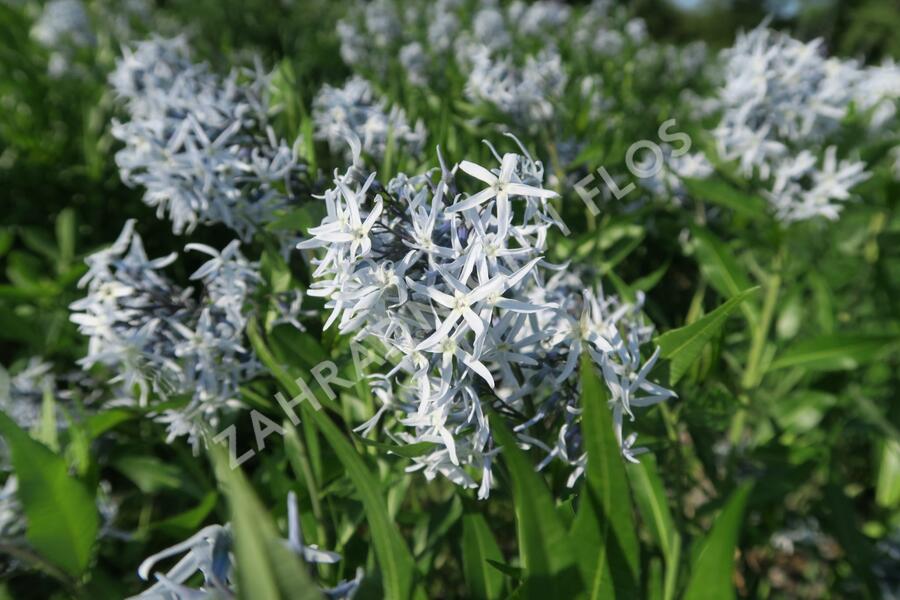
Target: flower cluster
(780, 100)
(526, 88)
(355, 110)
(158, 337)
(209, 552)
(199, 143)
(62, 27)
(62, 22)
(666, 177)
(528, 94)
(22, 395)
(518, 59)
(456, 288)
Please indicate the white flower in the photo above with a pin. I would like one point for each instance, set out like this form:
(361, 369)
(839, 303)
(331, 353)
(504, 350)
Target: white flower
(355, 110)
(500, 187)
(781, 101)
(210, 551)
(158, 339)
(200, 144)
(458, 297)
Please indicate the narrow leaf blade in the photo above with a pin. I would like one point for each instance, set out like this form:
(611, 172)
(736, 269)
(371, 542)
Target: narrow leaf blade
(483, 581)
(683, 346)
(713, 569)
(605, 520)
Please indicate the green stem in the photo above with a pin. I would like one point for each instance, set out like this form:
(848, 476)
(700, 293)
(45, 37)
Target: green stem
(302, 455)
(29, 557)
(672, 568)
(752, 376)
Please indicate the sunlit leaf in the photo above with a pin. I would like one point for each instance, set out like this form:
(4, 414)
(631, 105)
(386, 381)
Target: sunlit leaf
(683, 346)
(62, 520)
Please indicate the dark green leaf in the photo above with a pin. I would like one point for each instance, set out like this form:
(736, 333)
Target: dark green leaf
(394, 559)
(266, 568)
(653, 504)
(724, 194)
(721, 269)
(408, 451)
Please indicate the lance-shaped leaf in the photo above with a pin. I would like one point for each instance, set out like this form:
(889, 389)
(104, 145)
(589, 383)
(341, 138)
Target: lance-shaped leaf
(483, 581)
(547, 558)
(724, 194)
(713, 568)
(605, 521)
(683, 346)
(61, 516)
(266, 567)
(653, 504)
(394, 559)
(833, 352)
(721, 269)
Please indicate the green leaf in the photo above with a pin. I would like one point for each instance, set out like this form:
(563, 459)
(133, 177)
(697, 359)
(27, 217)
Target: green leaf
(683, 346)
(266, 568)
(842, 522)
(61, 515)
(649, 281)
(724, 194)
(46, 430)
(408, 451)
(653, 504)
(721, 269)
(823, 302)
(544, 552)
(190, 520)
(887, 487)
(102, 422)
(604, 522)
(274, 270)
(508, 570)
(713, 568)
(394, 559)
(65, 235)
(6, 240)
(151, 474)
(483, 581)
(833, 352)
(299, 219)
(296, 347)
